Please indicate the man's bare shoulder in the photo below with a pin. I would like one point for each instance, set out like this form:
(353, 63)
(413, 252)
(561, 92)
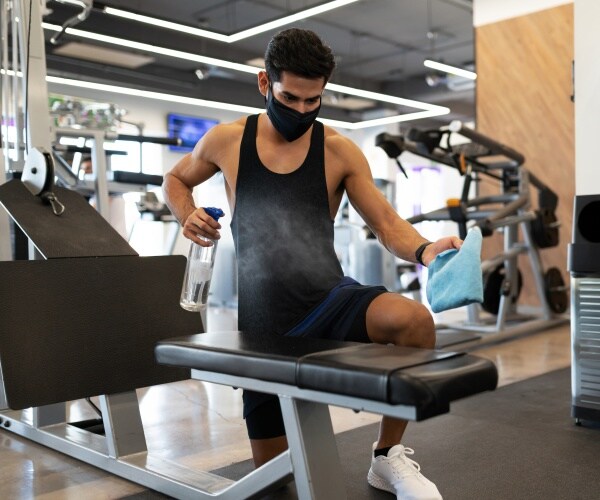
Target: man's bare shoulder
(340, 146)
(219, 142)
(227, 131)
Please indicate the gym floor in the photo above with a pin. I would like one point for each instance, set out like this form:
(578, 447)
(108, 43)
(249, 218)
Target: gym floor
(199, 425)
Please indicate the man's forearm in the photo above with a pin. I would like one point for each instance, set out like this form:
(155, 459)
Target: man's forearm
(402, 240)
(178, 198)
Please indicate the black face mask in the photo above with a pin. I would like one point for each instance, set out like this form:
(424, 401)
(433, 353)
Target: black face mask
(290, 123)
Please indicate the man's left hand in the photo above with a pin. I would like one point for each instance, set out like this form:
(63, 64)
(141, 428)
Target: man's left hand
(439, 246)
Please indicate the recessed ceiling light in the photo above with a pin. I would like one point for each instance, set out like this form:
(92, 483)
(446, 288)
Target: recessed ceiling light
(105, 55)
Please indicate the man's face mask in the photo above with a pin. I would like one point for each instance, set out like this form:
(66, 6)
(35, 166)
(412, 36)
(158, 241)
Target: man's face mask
(291, 124)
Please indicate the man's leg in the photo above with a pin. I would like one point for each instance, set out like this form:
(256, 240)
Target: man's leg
(393, 319)
(264, 450)
(266, 429)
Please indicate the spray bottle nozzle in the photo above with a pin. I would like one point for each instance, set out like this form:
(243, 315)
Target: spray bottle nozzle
(214, 212)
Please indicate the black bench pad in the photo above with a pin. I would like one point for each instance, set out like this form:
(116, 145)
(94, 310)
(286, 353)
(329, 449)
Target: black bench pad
(423, 378)
(74, 328)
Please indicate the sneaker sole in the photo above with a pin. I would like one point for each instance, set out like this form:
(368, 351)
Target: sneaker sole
(379, 483)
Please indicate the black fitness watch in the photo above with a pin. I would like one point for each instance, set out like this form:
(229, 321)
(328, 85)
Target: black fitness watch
(419, 252)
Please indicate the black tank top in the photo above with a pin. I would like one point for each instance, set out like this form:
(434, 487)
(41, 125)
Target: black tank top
(283, 235)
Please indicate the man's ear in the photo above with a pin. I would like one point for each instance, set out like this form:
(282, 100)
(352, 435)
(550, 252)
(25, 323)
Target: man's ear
(263, 82)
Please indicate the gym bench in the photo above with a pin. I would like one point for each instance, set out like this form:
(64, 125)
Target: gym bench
(310, 374)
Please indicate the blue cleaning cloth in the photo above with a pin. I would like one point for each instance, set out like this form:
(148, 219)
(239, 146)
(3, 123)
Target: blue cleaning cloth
(455, 277)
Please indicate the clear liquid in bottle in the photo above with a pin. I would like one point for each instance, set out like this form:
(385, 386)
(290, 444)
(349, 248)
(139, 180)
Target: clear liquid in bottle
(198, 273)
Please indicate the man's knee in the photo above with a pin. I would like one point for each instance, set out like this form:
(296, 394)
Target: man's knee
(425, 327)
(400, 321)
(420, 331)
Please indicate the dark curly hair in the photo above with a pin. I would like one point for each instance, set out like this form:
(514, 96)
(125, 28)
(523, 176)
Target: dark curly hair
(298, 51)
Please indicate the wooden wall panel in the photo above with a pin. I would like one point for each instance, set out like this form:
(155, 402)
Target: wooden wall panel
(523, 100)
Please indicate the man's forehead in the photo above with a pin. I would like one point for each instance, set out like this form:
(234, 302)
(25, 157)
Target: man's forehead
(295, 84)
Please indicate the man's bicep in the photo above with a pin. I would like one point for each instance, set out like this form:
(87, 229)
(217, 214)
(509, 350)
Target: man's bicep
(193, 170)
(195, 167)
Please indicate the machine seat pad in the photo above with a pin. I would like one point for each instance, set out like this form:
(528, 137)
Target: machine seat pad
(423, 378)
(136, 178)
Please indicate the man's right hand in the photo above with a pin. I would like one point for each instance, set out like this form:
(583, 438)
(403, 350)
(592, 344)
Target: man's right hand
(199, 225)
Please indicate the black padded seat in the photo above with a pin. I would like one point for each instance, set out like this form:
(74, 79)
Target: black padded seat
(397, 375)
(425, 379)
(272, 358)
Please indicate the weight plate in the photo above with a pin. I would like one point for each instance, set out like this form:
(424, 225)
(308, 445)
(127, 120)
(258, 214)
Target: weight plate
(544, 229)
(492, 289)
(556, 291)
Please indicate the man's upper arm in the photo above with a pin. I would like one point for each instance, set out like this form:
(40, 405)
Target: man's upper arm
(362, 192)
(199, 165)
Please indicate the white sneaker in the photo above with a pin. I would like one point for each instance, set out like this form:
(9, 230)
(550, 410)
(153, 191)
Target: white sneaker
(400, 475)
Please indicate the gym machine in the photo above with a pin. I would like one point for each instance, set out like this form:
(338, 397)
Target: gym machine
(105, 181)
(86, 336)
(584, 267)
(506, 212)
(36, 156)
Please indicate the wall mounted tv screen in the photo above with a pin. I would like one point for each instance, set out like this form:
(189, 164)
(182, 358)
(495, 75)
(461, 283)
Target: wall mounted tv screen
(189, 129)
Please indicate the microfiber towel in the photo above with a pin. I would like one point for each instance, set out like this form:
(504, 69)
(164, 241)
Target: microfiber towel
(455, 277)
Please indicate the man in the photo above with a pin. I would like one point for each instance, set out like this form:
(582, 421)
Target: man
(285, 175)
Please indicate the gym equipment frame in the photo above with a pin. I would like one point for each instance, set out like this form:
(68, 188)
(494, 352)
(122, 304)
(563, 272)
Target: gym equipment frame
(506, 212)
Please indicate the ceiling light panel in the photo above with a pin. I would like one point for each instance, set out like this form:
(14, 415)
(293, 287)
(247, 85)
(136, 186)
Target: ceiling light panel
(104, 55)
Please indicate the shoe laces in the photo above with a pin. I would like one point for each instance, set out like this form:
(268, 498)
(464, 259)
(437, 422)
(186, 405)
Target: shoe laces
(402, 464)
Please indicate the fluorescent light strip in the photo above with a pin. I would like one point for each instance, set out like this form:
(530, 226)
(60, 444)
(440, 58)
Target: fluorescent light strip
(153, 49)
(166, 24)
(450, 69)
(192, 101)
(437, 110)
(313, 11)
(234, 37)
(376, 96)
(153, 95)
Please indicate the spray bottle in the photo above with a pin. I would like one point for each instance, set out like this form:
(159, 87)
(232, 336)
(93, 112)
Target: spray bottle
(198, 273)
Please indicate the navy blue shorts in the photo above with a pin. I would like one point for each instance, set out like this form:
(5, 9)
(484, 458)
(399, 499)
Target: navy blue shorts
(340, 316)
